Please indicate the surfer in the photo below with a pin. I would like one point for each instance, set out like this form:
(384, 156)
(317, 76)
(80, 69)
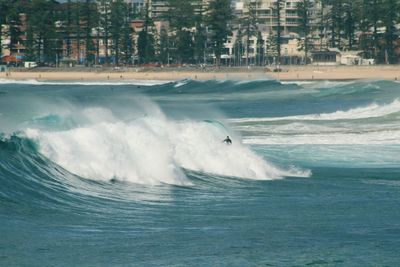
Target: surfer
(228, 141)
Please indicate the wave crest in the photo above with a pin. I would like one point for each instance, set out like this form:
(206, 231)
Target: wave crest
(151, 150)
(373, 110)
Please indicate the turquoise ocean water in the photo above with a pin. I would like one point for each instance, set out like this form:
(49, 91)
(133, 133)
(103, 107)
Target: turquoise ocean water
(136, 173)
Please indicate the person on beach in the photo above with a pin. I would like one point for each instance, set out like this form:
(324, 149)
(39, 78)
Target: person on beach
(228, 141)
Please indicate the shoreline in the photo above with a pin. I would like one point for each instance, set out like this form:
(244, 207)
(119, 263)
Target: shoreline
(289, 73)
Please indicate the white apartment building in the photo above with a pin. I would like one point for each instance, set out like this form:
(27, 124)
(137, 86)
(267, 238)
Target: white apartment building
(267, 18)
(136, 4)
(158, 9)
(267, 24)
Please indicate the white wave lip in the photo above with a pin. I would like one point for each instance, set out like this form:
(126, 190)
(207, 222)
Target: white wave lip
(151, 150)
(372, 111)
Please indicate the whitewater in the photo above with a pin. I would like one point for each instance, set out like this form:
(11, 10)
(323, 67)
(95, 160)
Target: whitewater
(136, 173)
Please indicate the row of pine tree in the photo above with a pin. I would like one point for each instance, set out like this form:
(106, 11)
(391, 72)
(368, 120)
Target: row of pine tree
(52, 30)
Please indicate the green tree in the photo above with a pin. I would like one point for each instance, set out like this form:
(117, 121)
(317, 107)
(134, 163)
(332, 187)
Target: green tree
(335, 20)
(41, 24)
(249, 23)
(349, 21)
(238, 48)
(200, 36)
(369, 22)
(117, 23)
(105, 24)
(14, 27)
(219, 21)
(182, 17)
(391, 18)
(146, 42)
(4, 7)
(303, 10)
(146, 51)
(375, 14)
(184, 47)
(271, 49)
(10, 18)
(68, 28)
(260, 53)
(89, 21)
(277, 12)
(78, 29)
(127, 37)
(321, 19)
(163, 51)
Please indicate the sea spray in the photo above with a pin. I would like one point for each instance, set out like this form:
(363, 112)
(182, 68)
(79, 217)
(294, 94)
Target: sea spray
(150, 150)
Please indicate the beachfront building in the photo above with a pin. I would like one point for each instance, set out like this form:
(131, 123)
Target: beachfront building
(13, 48)
(263, 52)
(158, 9)
(5, 40)
(328, 57)
(137, 5)
(335, 57)
(264, 15)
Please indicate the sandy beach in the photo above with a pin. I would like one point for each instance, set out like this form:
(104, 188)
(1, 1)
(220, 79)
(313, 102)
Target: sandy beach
(288, 73)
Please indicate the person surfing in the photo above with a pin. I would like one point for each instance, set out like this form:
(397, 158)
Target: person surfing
(227, 141)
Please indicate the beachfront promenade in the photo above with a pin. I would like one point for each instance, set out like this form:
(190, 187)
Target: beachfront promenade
(287, 73)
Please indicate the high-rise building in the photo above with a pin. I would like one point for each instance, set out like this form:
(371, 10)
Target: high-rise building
(137, 5)
(265, 12)
(158, 9)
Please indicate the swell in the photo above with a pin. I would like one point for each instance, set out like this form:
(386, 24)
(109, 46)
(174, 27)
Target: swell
(371, 124)
(27, 178)
(31, 182)
(373, 110)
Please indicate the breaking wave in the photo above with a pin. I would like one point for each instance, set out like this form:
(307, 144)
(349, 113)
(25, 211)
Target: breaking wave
(150, 150)
(373, 110)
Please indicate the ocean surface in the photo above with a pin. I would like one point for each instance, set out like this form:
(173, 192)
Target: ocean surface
(136, 173)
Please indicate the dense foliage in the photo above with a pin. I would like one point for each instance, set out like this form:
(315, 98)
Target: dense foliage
(101, 32)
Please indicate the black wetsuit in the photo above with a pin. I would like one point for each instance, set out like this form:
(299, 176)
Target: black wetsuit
(228, 141)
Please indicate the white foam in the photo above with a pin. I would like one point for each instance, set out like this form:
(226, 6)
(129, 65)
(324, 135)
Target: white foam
(371, 111)
(239, 82)
(125, 82)
(297, 82)
(151, 150)
(181, 83)
(310, 133)
(319, 84)
(390, 137)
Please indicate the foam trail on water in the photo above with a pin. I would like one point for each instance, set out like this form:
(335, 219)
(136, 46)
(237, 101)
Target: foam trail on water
(344, 132)
(319, 84)
(368, 138)
(150, 150)
(371, 111)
